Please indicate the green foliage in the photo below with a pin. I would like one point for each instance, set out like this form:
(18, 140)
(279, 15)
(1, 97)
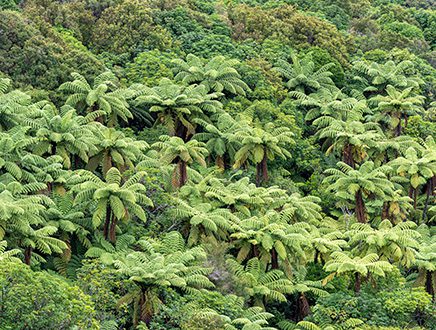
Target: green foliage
(105, 287)
(149, 67)
(9, 5)
(33, 299)
(299, 161)
(342, 263)
(168, 264)
(289, 26)
(302, 77)
(63, 133)
(217, 75)
(392, 243)
(174, 149)
(104, 96)
(208, 45)
(8, 255)
(128, 27)
(31, 57)
(177, 106)
(382, 310)
(350, 184)
(259, 284)
(111, 200)
(114, 148)
(405, 29)
(259, 144)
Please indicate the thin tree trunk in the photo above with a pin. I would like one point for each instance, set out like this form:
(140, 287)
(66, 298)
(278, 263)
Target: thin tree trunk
(183, 175)
(274, 259)
(385, 211)
(397, 130)
(415, 197)
(220, 162)
(360, 207)
(112, 230)
(27, 255)
(107, 162)
(357, 283)
(255, 251)
(75, 164)
(303, 307)
(181, 131)
(347, 155)
(264, 163)
(429, 283)
(107, 222)
(412, 194)
(53, 148)
(315, 257)
(258, 174)
(141, 304)
(429, 192)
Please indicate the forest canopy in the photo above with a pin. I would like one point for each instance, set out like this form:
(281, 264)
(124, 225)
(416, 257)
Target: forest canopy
(217, 164)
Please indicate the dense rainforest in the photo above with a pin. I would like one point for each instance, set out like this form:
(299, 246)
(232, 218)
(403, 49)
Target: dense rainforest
(217, 164)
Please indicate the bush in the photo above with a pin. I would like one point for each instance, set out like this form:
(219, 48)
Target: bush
(403, 307)
(128, 28)
(42, 60)
(8, 4)
(40, 300)
(181, 312)
(149, 67)
(104, 286)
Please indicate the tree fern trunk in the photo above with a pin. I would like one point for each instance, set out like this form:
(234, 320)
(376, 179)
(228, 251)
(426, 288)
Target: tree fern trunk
(397, 130)
(27, 255)
(255, 251)
(274, 259)
(112, 230)
(303, 307)
(357, 283)
(141, 303)
(360, 207)
(258, 174)
(264, 163)
(347, 155)
(99, 119)
(180, 130)
(412, 195)
(107, 222)
(220, 162)
(315, 257)
(431, 183)
(76, 162)
(415, 197)
(385, 211)
(183, 174)
(53, 148)
(429, 283)
(107, 162)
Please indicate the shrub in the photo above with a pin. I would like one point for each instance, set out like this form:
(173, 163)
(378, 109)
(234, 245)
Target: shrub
(40, 300)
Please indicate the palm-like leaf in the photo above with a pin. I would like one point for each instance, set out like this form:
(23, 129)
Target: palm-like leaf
(218, 74)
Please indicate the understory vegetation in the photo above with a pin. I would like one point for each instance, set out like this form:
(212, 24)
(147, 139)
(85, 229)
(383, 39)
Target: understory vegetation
(217, 164)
